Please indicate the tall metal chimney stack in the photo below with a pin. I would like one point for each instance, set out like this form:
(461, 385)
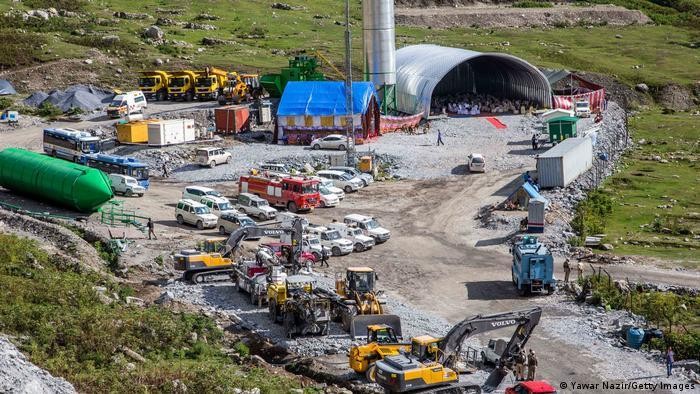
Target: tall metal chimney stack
(379, 47)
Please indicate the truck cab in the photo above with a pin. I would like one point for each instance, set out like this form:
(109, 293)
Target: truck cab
(210, 83)
(533, 267)
(332, 239)
(360, 241)
(181, 85)
(154, 84)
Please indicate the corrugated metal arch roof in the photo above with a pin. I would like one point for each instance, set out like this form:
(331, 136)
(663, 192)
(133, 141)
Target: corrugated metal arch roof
(420, 68)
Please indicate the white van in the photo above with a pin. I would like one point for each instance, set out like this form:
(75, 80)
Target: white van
(127, 103)
(212, 156)
(218, 205)
(126, 185)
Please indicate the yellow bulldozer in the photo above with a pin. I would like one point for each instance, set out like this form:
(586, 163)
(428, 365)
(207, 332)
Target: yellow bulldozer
(382, 341)
(239, 88)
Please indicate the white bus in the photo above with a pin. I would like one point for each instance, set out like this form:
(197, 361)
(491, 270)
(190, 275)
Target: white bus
(70, 144)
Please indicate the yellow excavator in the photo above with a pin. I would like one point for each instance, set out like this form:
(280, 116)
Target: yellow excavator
(240, 87)
(382, 341)
(431, 365)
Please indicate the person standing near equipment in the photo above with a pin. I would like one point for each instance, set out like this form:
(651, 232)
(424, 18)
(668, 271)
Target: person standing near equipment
(567, 270)
(324, 257)
(579, 268)
(520, 360)
(531, 365)
(439, 141)
(151, 227)
(534, 142)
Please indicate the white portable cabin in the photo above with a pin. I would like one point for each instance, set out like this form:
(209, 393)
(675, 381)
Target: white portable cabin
(171, 132)
(563, 163)
(555, 113)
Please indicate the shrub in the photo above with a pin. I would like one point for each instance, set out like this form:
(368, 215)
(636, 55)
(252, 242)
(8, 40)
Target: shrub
(5, 103)
(18, 48)
(68, 5)
(532, 4)
(590, 216)
(49, 110)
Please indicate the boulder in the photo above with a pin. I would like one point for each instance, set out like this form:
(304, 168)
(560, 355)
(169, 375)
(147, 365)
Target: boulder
(41, 14)
(642, 87)
(158, 62)
(110, 40)
(165, 298)
(154, 33)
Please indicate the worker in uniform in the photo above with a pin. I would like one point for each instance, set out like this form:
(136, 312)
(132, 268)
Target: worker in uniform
(579, 268)
(151, 227)
(531, 365)
(520, 360)
(567, 270)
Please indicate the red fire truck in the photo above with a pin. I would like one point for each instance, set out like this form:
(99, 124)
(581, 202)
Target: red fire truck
(293, 193)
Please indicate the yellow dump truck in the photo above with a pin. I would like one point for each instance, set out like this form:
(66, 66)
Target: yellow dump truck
(210, 83)
(154, 84)
(181, 85)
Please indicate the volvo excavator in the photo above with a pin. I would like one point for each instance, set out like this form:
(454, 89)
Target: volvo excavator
(431, 365)
(200, 266)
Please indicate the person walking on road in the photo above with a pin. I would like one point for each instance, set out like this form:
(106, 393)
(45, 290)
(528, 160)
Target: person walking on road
(534, 142)
(439, 141)
(324, 257)
(669, 361)
(531, 365)
(520, 360)
(579, 268)
(150, 229)
(165, 171)
(567, 270)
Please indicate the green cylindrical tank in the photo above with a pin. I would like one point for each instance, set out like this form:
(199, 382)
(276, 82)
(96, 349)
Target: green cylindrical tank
(66, 183)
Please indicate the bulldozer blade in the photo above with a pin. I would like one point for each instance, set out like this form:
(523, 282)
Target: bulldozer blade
(359, 323)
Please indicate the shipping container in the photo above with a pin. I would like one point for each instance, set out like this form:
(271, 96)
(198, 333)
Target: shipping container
(134, 132)
(535, 215)
(170, 132)
(232, 119)
(563, 163)
(48, 179)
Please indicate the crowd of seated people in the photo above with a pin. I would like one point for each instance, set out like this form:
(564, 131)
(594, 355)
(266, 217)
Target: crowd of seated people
(469, 104)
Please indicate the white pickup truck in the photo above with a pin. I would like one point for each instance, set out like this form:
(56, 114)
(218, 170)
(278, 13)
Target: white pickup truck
(255, 206)
(332, 240)
(360, 241)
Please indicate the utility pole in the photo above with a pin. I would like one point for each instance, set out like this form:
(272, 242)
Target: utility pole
(349, 123)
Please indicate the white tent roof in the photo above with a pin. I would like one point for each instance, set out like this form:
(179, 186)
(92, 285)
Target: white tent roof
(421, 68)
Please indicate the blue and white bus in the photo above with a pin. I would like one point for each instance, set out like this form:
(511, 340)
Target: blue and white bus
(112, 164)
(70, 144)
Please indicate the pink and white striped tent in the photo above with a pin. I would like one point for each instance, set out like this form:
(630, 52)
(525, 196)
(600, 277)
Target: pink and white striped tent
(586, 91)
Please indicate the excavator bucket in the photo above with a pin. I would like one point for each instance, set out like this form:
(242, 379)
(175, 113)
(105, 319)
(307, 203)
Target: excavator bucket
(494, 380)
(359, 323)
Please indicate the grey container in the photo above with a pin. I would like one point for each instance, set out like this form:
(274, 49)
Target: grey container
(563, 163)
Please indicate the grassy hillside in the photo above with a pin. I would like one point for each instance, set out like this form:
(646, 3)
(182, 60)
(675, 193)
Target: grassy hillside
(64, 326)
(262, 39)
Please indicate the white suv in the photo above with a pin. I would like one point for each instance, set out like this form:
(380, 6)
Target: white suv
(212, 156)
(332, 240)
(361, 242)
(342, 180)
(218, 205)
(366, 178)
(369, 227)
(255, 206)
(194, 213)
(198, 192)
(328, 198)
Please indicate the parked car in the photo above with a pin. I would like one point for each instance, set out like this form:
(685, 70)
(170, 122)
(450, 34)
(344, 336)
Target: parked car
(582, 109)
(218, 205)
(312, 244)
(332, 239)
(352, 171)
(196, 193)
(232, 221)
(276, 247)
(532, 387)
(369, 227)
(275, 167)
(476, 163)
(194, 213)
(333, 141)
(342, 180)
(360, 241)
(212, 156)
(328, 198)
(328, 184)
(493, 351)
(126, 185)
(255, 206)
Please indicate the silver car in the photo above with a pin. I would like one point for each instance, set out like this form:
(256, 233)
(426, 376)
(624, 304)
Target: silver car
(333, 141)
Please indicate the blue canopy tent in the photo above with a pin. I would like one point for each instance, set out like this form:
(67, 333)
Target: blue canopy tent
(311, 109)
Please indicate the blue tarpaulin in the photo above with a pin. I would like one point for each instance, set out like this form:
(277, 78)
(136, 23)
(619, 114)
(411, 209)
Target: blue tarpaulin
(6, 88)
(323, 98)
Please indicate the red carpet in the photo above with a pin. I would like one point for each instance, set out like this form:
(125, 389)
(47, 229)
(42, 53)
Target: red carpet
(496, 123)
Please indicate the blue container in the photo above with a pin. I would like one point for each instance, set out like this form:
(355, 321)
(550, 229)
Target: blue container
(635, 337)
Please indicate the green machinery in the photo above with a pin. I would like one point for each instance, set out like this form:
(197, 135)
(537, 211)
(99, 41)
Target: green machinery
(113, 214)
(301, 68)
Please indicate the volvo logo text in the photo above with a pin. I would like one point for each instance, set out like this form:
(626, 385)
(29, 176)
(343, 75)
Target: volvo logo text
(503, 323)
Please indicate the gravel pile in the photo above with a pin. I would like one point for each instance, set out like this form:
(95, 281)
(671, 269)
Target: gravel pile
(600, 334)
(86, 97)
(17, 375)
